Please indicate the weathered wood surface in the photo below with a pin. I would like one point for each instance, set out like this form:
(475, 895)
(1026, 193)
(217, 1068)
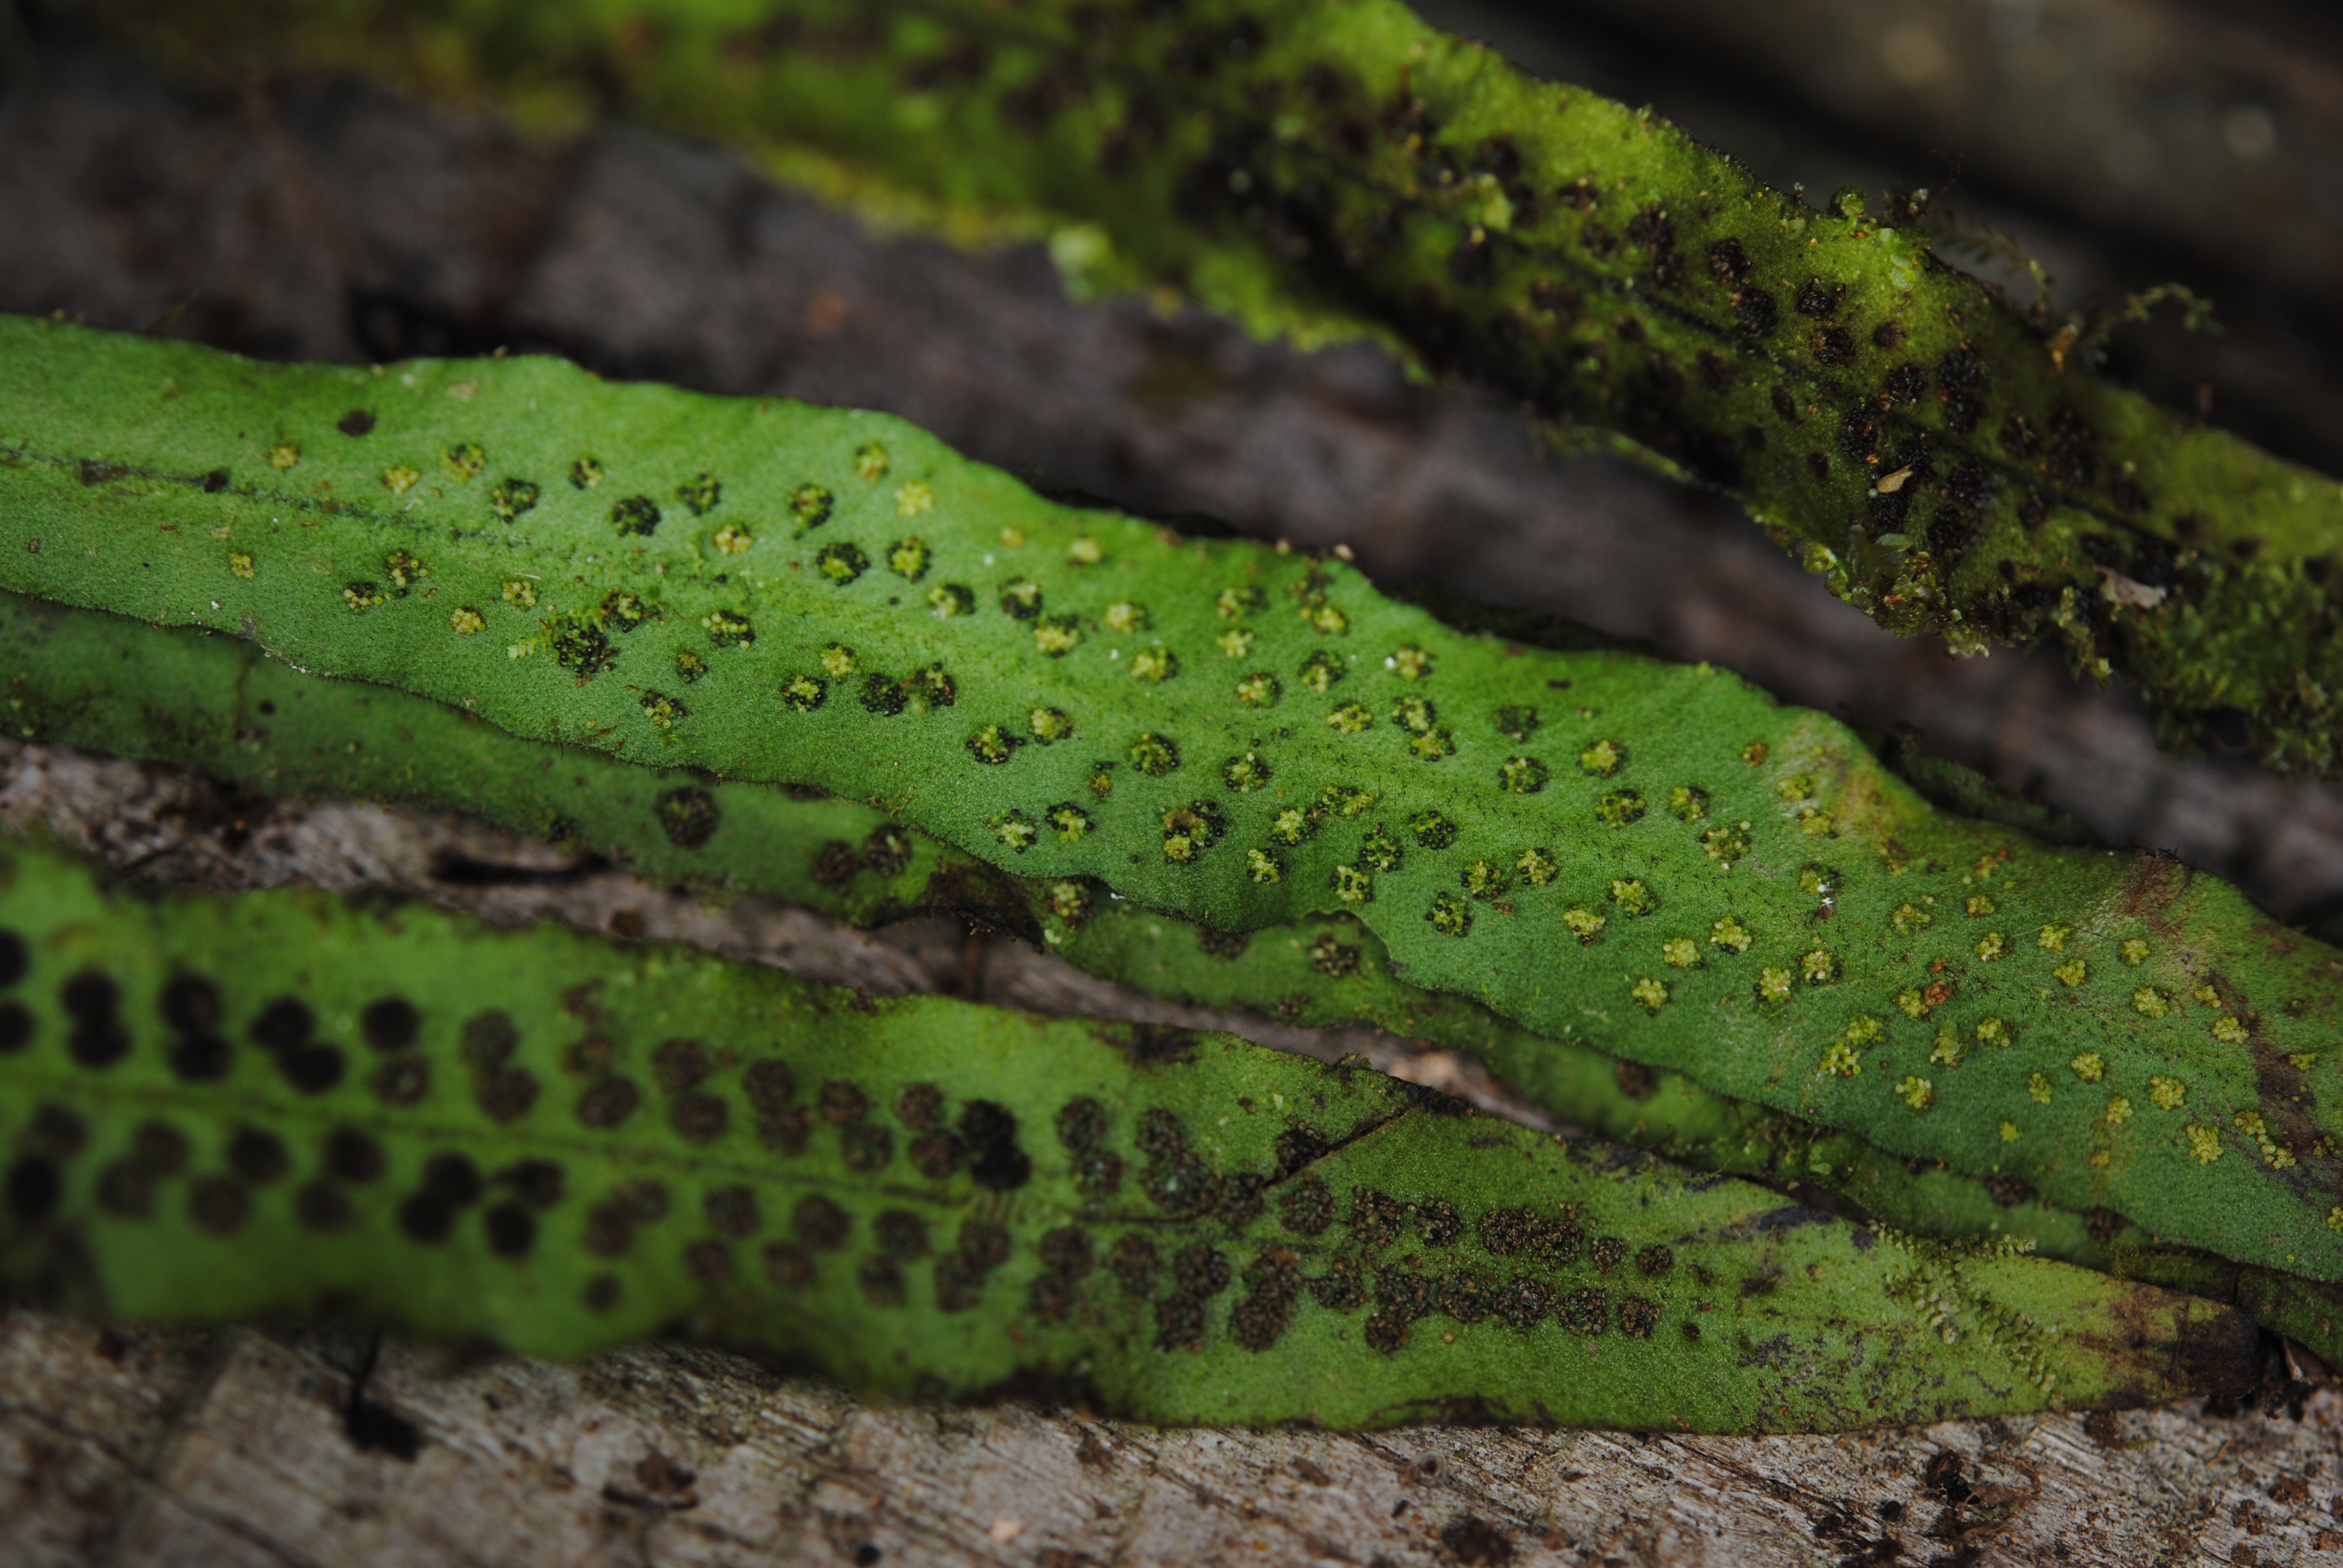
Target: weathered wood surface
(319, 221)
(237, 1448)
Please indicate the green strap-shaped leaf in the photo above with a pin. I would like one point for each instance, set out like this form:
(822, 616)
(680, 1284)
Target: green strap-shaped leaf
(215, 703)
(1325, 971)
(1658, 861)
(1334, 167)
(216, 1106)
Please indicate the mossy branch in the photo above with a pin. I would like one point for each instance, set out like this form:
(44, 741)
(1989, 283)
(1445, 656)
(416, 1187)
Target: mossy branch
(1333, 167)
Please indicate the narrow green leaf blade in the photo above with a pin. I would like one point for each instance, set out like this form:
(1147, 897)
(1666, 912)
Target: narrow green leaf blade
(1659, 861)
(216, 704)
(215, 1106)
(1336, 168)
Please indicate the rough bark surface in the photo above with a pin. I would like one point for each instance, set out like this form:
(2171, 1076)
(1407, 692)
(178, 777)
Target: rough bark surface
(270, 1448)
(310, 220)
